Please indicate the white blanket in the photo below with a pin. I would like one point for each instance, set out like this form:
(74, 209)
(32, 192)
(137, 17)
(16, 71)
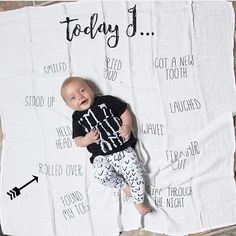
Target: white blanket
(172, 62)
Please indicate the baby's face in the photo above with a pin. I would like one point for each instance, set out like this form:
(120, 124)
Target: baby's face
(78, 95)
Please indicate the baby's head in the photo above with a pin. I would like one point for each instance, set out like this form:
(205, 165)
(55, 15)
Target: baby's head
(77, 94)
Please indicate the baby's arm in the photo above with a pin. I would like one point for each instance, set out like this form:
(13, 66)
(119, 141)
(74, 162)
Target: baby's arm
(125, 129)
(89, 138)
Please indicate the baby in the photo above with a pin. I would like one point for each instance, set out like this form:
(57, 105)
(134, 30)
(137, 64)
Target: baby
(103, 124)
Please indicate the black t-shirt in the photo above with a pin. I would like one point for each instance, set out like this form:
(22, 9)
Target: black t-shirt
(103, 115)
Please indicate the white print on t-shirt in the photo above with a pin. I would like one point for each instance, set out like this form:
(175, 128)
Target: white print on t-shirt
(107, 126)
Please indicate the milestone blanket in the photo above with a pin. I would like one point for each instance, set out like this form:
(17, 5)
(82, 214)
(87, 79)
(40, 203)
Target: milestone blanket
(172, 62)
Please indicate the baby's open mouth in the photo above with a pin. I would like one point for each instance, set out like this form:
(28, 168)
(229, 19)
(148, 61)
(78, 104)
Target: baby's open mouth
(83, 102)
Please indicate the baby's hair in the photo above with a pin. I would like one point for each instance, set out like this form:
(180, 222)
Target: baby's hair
(68, 81)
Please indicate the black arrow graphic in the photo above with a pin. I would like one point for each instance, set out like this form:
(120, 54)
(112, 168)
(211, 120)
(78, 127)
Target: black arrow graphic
(13, 193)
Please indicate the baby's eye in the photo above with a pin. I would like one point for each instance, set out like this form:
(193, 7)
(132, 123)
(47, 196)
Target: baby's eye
(82, 90)
(72, 98)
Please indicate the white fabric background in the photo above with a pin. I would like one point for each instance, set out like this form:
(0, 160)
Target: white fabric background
(37, 139)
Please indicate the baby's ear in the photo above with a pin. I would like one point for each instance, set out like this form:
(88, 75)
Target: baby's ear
(94, 87)
(90, 84)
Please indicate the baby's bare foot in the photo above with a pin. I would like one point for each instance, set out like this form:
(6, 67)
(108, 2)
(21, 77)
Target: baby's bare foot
(127, 190)
(142, 208)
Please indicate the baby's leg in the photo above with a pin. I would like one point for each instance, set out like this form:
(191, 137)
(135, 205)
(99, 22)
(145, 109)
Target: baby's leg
(106, 174)
(133, 174)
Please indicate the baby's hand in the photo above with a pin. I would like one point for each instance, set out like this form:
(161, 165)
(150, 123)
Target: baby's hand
(125, 131)
(92, 137)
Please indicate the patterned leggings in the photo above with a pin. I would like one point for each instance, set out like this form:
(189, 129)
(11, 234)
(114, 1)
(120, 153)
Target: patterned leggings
(119, 168)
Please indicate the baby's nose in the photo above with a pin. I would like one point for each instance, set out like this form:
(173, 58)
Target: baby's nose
(80, 96)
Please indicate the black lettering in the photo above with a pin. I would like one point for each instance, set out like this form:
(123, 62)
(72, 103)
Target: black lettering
(131, 29)
(67, 21)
